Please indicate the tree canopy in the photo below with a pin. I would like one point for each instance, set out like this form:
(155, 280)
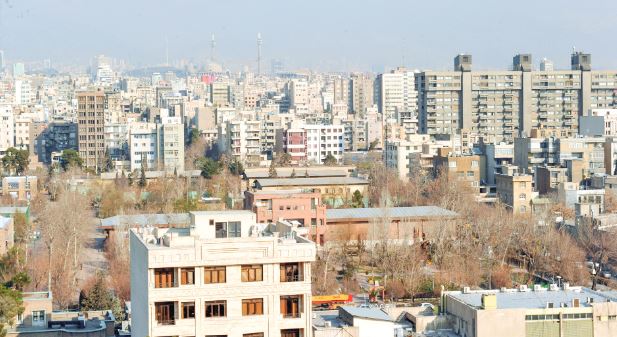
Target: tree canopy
(209, 167)
(330, 160)
(70, 158)
(15, 161)
(10, 306)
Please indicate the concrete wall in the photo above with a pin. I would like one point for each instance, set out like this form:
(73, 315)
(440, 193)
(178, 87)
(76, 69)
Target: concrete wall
(139, 290)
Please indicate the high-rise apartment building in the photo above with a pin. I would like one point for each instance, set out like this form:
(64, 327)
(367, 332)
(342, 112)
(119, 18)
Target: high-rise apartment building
(91, 120)
(225, 275)
(362, 93)
(396, 94)
(2, 61)
(501, 105)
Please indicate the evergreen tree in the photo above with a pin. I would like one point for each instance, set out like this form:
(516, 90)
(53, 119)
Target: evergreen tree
(108, 163)
(15, 161)
(142, 178)
(98, 297)
(10, 306)
(272, 171)
(70, 158)
(330, 160)
(209, 167)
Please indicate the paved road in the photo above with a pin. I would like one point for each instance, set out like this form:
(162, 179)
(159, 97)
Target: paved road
(93, 257)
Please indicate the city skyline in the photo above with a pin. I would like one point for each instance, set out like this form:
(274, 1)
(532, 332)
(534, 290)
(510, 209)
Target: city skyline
(317, 35)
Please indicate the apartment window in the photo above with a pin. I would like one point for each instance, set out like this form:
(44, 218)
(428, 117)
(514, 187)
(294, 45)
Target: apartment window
(254, 306)
(291, 306)
(470, 173)
(188, 310)
(522, 196)
(165, 313)
(216, 308)
(164, 278)
(291, 333)
(187, 276)
(291, 272)
(38, 316)
(230, 229)
(215, 274)
(255, 334)
(252, 273)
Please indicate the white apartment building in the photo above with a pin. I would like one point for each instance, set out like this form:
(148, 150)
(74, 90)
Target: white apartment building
(7, 128)
(157, 146)
(322, 140)
(22, 131)
(398, 154)
(23, 92)
(610, 120)
(222, 276)
(396, 94)
(242, 140)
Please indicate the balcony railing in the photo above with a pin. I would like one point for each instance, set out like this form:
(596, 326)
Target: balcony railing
(291, 315)
(167, 322)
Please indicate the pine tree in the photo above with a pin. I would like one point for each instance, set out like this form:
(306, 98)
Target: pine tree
(142, 178)
(98, 297)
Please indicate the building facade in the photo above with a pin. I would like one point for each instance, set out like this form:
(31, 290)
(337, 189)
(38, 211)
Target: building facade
(220, 277)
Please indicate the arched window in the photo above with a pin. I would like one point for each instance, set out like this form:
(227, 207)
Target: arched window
(522, 196)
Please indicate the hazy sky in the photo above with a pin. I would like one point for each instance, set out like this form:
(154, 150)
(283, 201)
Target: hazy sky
(318, 34)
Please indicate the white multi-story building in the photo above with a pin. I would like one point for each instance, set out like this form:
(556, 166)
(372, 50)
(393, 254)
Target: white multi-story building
(222, 276)
(242, 140)
(22, 131)
(397, 154)
(322, 140)
(7, 128)
(23, 92)
(396, 94)
(157, 146)
(610, 120)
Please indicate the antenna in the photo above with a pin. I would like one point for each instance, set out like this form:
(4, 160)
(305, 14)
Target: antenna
(212, 48)
(166, 51)
(258, 54)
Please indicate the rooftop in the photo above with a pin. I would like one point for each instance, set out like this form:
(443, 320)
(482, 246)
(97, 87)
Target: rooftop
(394, 212)
(370, 313)
(4, 222)
(146, 219)
(269, 182)
(513, 299)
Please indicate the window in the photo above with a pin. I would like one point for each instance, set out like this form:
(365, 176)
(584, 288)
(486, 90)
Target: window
(522, 196)
(164, 278)
(38, 316)
(215, 274)
(291, 272)
(252, 273)
(188, 310)
(187, 276)
(230, 229)
(291, 306)
(255, 334)
(254, 306)
(470, 173)
(291, 333)
(216, 308)
(165, 313)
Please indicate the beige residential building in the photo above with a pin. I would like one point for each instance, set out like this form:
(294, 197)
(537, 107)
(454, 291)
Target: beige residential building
(91, 120)
(466, 168)
(523, 312)
(501, 105)
(362, 93)
(515, 191)
(225, 275)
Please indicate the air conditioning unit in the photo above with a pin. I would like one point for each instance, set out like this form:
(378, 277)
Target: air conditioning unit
(550, 305)
(466, 290)
(522, 288)
(537, 287)
(553, 287)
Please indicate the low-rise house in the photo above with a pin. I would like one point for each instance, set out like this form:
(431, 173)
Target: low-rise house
(399, 224)
(21, 188)
(335, 191)
(39, 320)
(524, 312)
(303, 207)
